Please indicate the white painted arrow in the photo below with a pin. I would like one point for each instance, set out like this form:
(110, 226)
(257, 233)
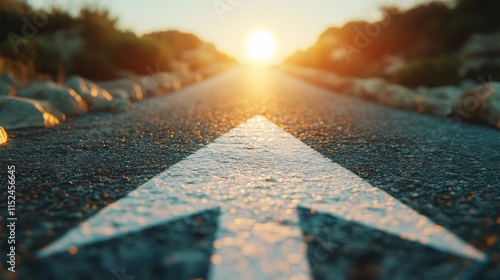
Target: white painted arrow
(257, 174)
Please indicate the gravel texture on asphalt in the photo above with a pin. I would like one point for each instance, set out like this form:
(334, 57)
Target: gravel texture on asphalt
(171, 251)
(447, 171)
(339, 250)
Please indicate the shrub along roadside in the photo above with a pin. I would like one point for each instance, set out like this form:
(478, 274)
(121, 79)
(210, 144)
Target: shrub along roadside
(431, 30)
(94, 65)
(147, 52)
(432, 72)
(106, 52)
(107, 49)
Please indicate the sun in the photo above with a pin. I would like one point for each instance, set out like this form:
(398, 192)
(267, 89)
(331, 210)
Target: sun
(261, 45)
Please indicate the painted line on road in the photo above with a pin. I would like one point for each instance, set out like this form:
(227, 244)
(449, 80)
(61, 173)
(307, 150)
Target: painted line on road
(258, 174)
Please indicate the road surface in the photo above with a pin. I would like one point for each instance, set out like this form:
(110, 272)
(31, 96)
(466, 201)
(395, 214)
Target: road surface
(447, 172)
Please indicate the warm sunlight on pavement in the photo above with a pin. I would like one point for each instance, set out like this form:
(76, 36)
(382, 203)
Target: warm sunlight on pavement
(250, 139)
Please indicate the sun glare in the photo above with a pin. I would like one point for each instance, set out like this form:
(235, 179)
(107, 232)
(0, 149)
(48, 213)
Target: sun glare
(261, 45)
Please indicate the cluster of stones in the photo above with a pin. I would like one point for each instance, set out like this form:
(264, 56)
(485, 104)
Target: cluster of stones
(47, 104)
(477, 102)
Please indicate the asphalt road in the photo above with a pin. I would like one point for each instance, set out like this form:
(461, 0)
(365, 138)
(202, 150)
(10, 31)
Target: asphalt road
(449, 172)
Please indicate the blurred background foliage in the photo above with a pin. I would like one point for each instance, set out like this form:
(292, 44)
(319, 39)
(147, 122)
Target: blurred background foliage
(428, 37)
(432, 72)
(35, 44)
(182, 43)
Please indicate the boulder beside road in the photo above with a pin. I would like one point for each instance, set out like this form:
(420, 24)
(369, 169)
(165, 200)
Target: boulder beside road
(46, 104)
(432, 106)
(3, 136)
(437, 101)
(398, 96)
(7, 90)
(159, 84)
(372, 89)
(450, 93)
(8, 85)
(481, 104)
(342, 85)
(98, 99)
(62, 98)
(126, 87)
(18, 112)
(6, 78)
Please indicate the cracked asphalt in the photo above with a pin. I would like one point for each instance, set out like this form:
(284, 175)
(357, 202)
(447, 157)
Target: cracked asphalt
(447, 171)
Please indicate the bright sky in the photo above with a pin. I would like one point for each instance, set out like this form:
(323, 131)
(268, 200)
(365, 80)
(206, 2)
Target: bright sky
(294, 24)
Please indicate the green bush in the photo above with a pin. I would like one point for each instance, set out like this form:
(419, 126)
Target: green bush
(429, 72)
(93, 64)
(106, 48)
(43, 55)
(476, 16)
(98, 28)
(109, 49)
(58, 20)
(47, 58)
(140, 55)
(177, 41)
(11, 13)
(425, 34)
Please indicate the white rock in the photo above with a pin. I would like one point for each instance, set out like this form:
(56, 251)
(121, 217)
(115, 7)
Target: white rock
(130, 89)
(468, 84)
(120, 104)
(481, 104)
(8, 85)
(169, 81)
(180, 66)
(393, 64)
(62, 98)
(398, 96)
(450, 93)
(4, 137)
(149, 84)
(18, 112)
(159, 84)
(6, 78)
(362, 88)
(433, 106)
(98, 99)
(317, 76)
(349, 86)
(190, 78)
(371, 89)
(310, 74)
(7, 89)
